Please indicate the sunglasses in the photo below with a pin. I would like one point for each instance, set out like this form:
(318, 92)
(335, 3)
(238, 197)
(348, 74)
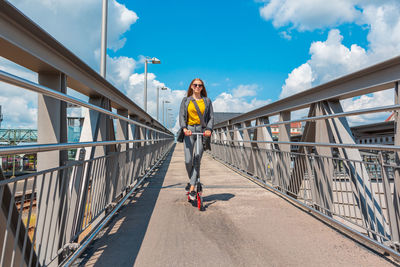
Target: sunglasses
(197, 85)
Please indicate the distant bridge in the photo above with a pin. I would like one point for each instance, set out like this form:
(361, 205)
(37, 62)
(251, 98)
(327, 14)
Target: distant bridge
(16, 136)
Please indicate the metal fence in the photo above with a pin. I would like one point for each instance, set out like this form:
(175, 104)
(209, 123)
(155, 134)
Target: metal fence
(47, 217)
(352, 185)
(70, 201)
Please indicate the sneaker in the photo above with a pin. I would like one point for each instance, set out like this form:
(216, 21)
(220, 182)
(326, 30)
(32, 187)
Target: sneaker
(187, 188)
(192, 195)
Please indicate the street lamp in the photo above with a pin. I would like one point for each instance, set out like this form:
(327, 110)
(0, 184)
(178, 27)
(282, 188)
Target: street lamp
(152, 61)
(163, 116)
(158, 97)
(103, 39)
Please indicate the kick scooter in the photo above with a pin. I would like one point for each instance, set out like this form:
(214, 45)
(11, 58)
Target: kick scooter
(198, 186)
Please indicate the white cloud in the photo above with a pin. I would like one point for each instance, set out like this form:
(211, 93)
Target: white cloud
(309, 14)
(132, 84)
(239, 100)
(285, 35)
(299, 80)
(384, 23)
(242, 99)
(18, 105)
(17, 111)
(78, 24)
(245, 90)
(120, 69)
(77, 28)
(331, 59)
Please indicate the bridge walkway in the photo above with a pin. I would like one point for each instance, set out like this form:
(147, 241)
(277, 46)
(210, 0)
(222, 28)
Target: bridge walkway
(243, 225)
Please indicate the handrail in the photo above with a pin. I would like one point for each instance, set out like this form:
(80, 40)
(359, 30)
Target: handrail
(324, 117)
(10, 150)
(23, 83)
(355, 146)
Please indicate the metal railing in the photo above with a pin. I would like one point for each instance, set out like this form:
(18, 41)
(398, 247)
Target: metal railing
(353, 186)
(48, 215)
(72, 198)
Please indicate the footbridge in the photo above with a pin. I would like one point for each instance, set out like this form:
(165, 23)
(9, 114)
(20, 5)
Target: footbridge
(117, 196)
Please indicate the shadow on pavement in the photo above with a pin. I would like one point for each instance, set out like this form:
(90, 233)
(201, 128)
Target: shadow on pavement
(119, 243)
(211, 199)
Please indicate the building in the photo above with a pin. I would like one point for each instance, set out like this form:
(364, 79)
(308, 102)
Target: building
(295, 129)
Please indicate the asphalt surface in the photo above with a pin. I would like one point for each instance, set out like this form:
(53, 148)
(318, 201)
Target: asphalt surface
(243, 225)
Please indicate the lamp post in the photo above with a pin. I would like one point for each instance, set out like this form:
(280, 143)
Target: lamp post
(158, 97)
(153, 61)
(103, 39)
(163, 113)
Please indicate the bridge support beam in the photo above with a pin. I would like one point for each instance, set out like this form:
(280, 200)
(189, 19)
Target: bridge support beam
(267, 156)
(247, 155)
(96, 127)
(263, 160)
(134, 133)
(359, 178)
(284, 155)
(238, 150)
(223, 154)
(52, 128)
(122, 133)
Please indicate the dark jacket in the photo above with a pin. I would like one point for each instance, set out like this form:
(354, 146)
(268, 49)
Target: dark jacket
(208, 113)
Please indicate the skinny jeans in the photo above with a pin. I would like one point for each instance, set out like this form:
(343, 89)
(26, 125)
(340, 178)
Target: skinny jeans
(193, 157)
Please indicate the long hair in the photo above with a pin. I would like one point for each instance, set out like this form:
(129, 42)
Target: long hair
(190, 90)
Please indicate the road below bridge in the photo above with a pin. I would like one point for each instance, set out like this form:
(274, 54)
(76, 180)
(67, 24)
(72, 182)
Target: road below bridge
(243, 225)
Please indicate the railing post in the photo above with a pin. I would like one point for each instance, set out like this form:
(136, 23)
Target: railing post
(238, 155)
(225, 145)
(248, 154)
(142, 151)
(396, 194)
(133, 135)
(122, 133)
(263, 162)
(284, 159)
(322, 162)
(230, 151)
(52, 128)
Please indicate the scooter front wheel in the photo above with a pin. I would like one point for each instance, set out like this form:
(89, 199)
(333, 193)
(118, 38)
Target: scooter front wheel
(200, 205)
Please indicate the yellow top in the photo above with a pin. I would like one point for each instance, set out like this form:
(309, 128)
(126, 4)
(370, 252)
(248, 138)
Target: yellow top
(193, 118)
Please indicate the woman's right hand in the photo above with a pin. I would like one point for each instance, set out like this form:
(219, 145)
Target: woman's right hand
(187, 132)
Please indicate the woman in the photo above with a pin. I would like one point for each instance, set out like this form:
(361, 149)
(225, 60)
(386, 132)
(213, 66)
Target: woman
(189, 121)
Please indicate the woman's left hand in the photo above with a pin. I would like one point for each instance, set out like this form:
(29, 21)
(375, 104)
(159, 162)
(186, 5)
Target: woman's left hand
(207, 133)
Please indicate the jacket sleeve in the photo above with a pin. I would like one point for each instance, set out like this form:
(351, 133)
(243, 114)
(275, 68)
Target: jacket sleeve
(210, 123)
(182, 114)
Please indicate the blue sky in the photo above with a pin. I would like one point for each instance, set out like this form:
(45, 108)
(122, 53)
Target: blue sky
(249, 52)
(208, 40)
(222, 39)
